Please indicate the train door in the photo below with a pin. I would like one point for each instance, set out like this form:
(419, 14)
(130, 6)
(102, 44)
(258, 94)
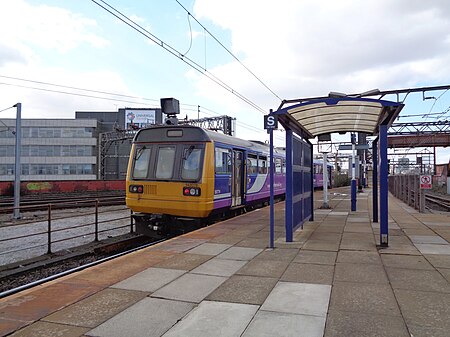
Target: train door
(238, 178)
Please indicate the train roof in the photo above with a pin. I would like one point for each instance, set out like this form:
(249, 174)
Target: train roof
(189, 133)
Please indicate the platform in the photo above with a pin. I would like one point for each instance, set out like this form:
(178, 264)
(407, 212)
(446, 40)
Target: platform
(223, 281)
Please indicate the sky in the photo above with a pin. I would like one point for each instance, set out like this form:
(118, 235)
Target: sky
(283, 49)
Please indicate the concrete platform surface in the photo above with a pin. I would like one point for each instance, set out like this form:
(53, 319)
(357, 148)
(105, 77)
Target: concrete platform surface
(223, 280)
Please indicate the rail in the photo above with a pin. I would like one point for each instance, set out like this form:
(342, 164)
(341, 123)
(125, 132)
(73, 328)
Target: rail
(56, 230)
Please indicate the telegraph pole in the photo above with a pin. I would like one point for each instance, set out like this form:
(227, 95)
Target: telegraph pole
(17, 168)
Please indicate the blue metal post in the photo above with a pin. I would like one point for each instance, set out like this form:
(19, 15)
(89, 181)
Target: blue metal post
(384, 232)
(375, 180)
(272, 211)
(353, 185)
(289, 178)
(311, 166)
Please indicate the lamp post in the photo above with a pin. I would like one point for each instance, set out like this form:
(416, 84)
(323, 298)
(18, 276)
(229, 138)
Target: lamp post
(17, 168)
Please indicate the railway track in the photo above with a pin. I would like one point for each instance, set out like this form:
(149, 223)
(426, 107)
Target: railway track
(25, 276)
(442, 203)
(32, 203)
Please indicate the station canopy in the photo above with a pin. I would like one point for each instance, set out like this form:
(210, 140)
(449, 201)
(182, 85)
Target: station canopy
(343, 114)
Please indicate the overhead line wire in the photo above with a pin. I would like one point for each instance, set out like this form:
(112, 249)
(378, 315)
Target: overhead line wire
(122, 17)
(76, 88)
(229, 52)
(73, 94)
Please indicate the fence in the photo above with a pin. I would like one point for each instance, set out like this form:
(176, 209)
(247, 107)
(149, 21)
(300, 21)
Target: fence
(55, 230)
(406, 187)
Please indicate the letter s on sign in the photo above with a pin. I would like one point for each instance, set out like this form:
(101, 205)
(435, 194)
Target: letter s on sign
(270, 122)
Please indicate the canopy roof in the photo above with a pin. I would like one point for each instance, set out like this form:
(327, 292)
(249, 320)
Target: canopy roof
(343, 114)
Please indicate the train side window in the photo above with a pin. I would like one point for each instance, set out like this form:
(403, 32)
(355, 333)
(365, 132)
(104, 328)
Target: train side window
(262, 167)
(222, 161)
(191, 163)
(252, 164)
(141, 162)
(165, 162)
(277, 165)
(283, 166)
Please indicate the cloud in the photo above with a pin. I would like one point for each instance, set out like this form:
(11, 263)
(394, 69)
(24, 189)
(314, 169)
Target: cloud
(39, 35)
(305, 48)
(45, 27)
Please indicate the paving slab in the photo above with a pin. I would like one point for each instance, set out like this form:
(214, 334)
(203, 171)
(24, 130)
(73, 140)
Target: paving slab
(406, 261)
(97, 308)
(315, 257)
(150, 317)
(439, 261)
(434, 239)
(426, 248)
(264, 268)
(356, 272)
(219, 267)
(190, 287)
(183, 261)
(356, 256)
(353, 324)
(399, 249)
(150, 280)
(321, 245)
(240, 253)
(50, 330)
(209, 249)
(244, 289)
(445, 273)
(415, 279)
(227, 239)
(287, 325)
(178, 244)
(425, 309)
(427, 331)
(308, 273)
(254, 242)
(299, 298)
(326, 236)
(278, 254)
(45, 300)
(214, 319)
(364, 298)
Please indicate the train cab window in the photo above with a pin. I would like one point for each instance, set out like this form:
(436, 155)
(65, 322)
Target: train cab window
(262, 167)
(141, 161)
(165, 162)
(277, 165)
(252, 164)
(191, 163)
(222, 161)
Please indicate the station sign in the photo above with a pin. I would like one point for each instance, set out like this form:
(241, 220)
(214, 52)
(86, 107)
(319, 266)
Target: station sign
(357, 147)
(271, 122)
(425, 182)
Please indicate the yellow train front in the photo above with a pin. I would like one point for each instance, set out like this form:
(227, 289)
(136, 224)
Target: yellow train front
(170, 176)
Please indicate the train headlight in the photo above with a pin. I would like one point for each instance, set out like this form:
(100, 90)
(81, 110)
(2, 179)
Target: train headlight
(136, 189)
(191, 191)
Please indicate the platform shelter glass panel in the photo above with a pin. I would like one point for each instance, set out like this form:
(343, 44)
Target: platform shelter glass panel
(301, 189)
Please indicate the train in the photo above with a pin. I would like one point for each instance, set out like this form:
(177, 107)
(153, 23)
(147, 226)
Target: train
(318, 174)
(184, 177)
